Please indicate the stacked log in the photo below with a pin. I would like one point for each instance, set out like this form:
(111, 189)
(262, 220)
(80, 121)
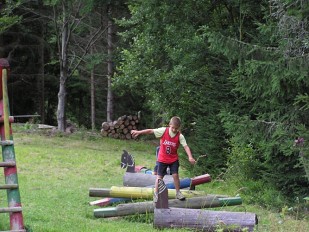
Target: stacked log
(121, 128)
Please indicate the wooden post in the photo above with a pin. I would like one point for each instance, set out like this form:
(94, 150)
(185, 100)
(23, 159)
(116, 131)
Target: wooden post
(8, 153)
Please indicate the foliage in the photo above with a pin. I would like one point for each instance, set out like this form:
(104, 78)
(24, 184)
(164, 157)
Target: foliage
(265, 116)
(7, 17)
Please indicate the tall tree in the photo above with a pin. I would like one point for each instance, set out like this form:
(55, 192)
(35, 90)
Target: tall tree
(110, 71)
(67, 17)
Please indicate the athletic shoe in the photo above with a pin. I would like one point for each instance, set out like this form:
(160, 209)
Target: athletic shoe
(179, 196)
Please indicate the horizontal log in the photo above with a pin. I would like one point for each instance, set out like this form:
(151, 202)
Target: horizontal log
(108, 201)
(143, 180)
(204, 220)
(138, 193)
(99, 192)
(201, 179)
(43, 126)
(128, 136)
(210, 201)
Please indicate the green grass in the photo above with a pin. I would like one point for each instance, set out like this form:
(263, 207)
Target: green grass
(56, 172)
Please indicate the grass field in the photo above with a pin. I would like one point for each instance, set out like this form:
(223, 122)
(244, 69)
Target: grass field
(56, 172)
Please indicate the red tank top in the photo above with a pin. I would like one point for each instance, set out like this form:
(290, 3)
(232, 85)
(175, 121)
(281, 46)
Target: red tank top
(168, 147)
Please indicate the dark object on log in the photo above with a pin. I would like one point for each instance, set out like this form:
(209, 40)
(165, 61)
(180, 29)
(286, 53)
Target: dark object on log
(121, 128)
(127, 161)
(201, 220)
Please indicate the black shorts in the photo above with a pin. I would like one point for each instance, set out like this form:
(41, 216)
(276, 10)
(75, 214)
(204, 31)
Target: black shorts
(162, 167)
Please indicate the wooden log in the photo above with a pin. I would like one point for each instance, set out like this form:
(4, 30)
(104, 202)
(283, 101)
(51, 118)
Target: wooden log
(116, 125)
(108, 201)
(204, 220)
(122, 136)
(142, 180)
(127, 122)
(128, 136)
(138, 193)
(43, 126)
(99, 192)
(125, 131)
(210, 201)
(122, 118)
(116, 136)
(105, 126)
(104, 133)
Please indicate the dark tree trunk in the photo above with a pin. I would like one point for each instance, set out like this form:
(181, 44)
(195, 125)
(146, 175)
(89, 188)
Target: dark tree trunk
(110, 106)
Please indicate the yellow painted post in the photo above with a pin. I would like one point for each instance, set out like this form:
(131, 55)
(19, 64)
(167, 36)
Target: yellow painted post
(5, 105)
(147, 193)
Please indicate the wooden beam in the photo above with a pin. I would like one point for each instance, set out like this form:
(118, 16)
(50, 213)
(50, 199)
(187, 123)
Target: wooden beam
(138, 192)
(209, 201)
(204, 220)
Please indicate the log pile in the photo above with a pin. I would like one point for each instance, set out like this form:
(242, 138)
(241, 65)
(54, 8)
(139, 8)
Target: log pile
(121, 128)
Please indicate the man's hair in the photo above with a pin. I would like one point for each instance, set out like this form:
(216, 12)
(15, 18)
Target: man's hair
(175, 121)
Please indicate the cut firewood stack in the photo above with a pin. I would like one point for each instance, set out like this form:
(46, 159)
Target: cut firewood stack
(121, 128)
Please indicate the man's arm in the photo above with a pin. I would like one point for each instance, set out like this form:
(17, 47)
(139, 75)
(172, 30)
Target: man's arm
(188, 151)
(136, 133)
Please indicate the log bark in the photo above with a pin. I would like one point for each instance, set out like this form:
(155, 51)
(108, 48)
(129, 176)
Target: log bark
(143, 180)
(203, 220)
(209, 201)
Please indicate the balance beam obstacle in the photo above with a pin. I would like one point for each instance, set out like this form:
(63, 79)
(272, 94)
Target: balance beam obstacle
(209, 201)
(146, 180)
(201, 220)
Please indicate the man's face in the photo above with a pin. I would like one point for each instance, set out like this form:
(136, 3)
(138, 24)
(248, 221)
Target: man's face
(174, 128)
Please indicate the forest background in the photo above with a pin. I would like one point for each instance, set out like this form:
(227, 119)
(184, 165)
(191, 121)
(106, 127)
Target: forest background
(235, 71)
